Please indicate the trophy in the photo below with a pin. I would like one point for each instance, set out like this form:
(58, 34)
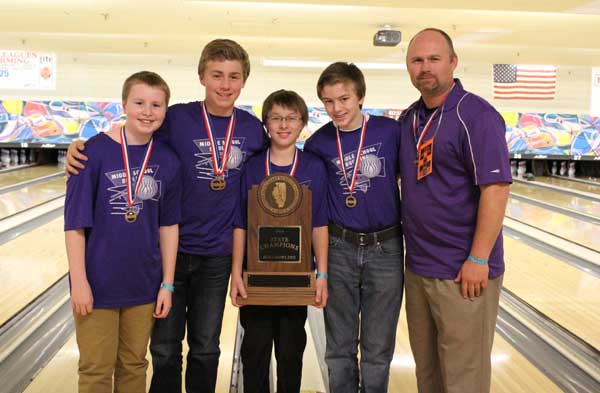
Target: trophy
(279, 243)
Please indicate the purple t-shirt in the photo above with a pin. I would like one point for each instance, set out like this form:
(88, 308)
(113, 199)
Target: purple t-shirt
(439, 212)
(376, 190)
(310, 171)
(123, 260)
(207, 215)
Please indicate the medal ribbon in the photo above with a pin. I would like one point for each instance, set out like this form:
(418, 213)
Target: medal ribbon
(131, 197)
(363, 132)
(425, 129)
(268, 163)
(219, 169)
(428, 124)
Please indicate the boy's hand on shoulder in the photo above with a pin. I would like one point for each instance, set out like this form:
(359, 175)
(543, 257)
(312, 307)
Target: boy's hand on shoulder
(237, 289)
(82, 299)
(74, 157)
(164, 301)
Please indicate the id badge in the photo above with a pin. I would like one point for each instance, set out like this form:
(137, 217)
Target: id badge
(425, 159)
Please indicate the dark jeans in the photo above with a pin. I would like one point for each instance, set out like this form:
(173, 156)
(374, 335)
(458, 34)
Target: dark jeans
(199, 299)
(264, 325)
(365, 294)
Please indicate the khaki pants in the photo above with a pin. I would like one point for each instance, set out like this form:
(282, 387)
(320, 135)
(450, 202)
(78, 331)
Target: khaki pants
(114, 341)
(451, 338)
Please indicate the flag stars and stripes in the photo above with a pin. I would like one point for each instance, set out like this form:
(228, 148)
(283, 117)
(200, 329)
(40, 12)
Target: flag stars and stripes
(524, 82)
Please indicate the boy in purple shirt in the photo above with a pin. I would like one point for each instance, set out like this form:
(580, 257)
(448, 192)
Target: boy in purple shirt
(121, 216)
(365, 235)
(455, 181)
(212, 139)
(285, 114)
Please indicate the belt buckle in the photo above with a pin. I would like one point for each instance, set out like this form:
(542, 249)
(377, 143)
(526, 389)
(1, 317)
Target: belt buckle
(362, 239)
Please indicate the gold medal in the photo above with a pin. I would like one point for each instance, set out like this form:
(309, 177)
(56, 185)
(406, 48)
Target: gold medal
(351, 201)
(217, 184)
(130, 216)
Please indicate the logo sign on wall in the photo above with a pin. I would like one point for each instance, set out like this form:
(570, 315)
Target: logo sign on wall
(27, 70)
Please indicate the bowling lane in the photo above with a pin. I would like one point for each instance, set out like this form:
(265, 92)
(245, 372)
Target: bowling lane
(564, 293)
(30, 264)
(30, 196)
(573, 185)
(26, 174)
(566, 201)
(511, 372)
(578, 231)
(60, 375)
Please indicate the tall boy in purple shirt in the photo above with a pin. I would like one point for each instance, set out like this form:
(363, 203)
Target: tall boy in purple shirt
(365, 235)
(455, 180)
(212, 139)
(117, 212)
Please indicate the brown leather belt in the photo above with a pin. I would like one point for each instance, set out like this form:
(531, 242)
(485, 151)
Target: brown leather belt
(364, 239)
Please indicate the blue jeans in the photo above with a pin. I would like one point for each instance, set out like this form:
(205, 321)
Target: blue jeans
(199, 299)
(365, 286)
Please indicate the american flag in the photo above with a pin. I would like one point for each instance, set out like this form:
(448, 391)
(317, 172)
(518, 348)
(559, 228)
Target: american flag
(524, 82)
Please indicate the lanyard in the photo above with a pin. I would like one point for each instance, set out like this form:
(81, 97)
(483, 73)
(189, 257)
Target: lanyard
(132, 195)
(219, 169)
(268, 163)
(350, 184)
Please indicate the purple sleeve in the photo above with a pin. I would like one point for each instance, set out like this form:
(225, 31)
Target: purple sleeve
(319, 196)
(164, 132)
(484, 148)
(240, 217)
(81, 191)
(170, 203)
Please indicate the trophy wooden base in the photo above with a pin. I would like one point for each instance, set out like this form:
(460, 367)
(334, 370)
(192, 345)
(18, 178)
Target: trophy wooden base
(279, 289)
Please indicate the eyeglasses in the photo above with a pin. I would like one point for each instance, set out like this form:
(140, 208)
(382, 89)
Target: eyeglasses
(287, 119)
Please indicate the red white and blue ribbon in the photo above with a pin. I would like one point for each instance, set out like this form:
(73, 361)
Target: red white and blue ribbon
(219, 168)
(425, 129)
(268, 163)
(132, 195)
(350, 184)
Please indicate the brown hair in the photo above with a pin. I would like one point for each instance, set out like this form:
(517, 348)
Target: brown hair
(342, 72)
(149, 78)
(287, 99)
(224, 49)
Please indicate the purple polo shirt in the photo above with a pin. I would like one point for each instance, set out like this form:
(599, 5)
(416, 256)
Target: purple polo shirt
(123, 261)
(439, 212)
(207, 215)
(376, 190)
(310, 171)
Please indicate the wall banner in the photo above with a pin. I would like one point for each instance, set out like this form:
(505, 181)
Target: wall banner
(27, 70)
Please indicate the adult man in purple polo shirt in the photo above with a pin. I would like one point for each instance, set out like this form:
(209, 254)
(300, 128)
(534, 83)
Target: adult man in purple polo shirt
(455, 182)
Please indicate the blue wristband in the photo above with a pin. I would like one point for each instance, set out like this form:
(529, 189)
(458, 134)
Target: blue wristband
(168, 287)
(322, 275)
(478, 261)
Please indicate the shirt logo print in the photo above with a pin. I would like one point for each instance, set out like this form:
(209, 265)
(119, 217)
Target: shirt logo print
(370, 167)
(204, 166)
(150, 189)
